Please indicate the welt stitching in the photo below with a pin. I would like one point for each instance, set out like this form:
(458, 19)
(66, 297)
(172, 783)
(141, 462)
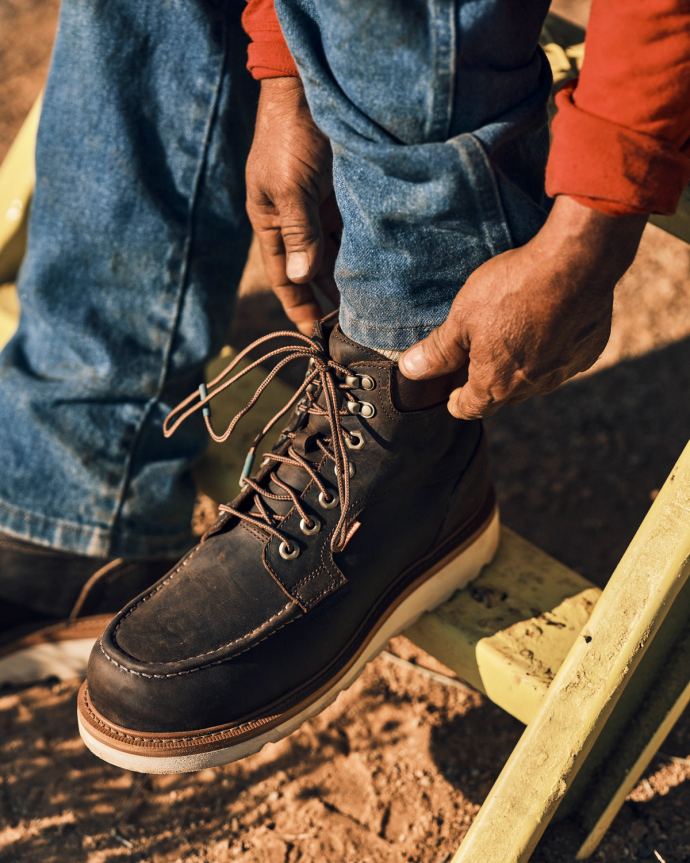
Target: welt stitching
(115, 732)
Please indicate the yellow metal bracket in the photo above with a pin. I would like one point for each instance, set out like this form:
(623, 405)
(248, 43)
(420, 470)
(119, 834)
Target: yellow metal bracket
(508, 633)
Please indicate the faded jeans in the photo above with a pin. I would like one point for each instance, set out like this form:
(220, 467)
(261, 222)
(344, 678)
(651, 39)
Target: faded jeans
(138, 233)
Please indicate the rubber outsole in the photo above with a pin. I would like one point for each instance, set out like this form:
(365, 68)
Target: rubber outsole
(454, 575)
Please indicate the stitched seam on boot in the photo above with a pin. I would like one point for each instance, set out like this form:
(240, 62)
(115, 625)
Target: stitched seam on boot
(206, 664)
(115, 732)
(154, 590)
(201, 655)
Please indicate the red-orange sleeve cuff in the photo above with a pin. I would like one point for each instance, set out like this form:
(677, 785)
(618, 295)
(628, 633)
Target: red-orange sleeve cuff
(268, 53)
(610, 167)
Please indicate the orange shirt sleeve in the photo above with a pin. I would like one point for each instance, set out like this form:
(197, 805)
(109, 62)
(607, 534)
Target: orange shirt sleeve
(268, 54)
(621, 138)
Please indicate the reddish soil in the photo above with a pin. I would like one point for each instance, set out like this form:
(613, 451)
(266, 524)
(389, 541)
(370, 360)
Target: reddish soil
(397, 768)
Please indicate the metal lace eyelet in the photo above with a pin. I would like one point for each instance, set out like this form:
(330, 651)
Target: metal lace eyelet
(328, 504)
(288, 555)
(360, 382)
(353, 407)
(351, 444)
(310, 531)
(366, 409)
(351, 469)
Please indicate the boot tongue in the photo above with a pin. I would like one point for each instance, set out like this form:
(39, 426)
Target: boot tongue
(304, 441)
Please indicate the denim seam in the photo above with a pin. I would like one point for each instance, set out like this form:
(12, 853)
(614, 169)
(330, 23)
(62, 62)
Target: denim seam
(443, 48)
(184, 272)
(88, 532)
(487, 225)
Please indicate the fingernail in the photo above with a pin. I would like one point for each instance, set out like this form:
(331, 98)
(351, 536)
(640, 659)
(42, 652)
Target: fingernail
(414, 362)
(297, 265)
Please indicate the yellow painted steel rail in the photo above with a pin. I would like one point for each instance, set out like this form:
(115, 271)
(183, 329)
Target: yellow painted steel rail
(635, 612)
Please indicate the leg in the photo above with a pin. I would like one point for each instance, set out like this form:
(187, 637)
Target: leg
(137, 241)
(376, 504)
(439, 150)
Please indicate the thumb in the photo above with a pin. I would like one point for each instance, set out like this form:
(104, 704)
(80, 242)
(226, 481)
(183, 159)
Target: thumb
(440, 353)
(300, 227)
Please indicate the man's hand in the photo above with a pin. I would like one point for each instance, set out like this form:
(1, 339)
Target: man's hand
(290, 200)
(531, 318)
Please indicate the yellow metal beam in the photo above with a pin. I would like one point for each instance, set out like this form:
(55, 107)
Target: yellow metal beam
(9, 313)
(662, 706)
(17, 178)
(508, 632)
(590, 682)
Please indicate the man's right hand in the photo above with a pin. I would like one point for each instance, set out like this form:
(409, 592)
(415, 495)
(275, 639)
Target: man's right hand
(290, 200)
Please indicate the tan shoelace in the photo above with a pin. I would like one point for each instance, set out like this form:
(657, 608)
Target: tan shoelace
(322, 369)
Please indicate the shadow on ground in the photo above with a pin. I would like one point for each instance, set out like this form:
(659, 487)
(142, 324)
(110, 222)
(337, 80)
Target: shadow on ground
(576, 471)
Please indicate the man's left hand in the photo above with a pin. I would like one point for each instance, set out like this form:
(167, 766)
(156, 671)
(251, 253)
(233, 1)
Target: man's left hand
(290, 200)
(532, 317)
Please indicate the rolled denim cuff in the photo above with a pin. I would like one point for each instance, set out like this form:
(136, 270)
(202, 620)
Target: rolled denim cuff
(383, 338)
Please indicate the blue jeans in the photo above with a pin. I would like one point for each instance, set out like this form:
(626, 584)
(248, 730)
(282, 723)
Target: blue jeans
(436, 110)
(138, 233)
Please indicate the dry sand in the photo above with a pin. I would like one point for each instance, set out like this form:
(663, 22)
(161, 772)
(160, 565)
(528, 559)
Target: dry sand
(397, 768)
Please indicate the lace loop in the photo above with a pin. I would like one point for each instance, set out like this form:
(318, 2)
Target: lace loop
(321, 370)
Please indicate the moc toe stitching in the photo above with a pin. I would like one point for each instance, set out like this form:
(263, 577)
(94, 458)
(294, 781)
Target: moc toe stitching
(199, 667)
(164, 739)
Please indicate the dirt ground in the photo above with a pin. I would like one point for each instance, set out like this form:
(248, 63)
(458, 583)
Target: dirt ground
(397, 768)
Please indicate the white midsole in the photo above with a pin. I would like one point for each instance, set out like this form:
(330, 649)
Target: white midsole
(62, 659)
(454, 576)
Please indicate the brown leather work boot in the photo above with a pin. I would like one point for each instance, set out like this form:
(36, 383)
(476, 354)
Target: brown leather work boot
(54, 605)
(374, 507)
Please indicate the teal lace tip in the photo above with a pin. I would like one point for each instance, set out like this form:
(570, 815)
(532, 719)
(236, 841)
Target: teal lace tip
(203, 392)
(247, 469)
